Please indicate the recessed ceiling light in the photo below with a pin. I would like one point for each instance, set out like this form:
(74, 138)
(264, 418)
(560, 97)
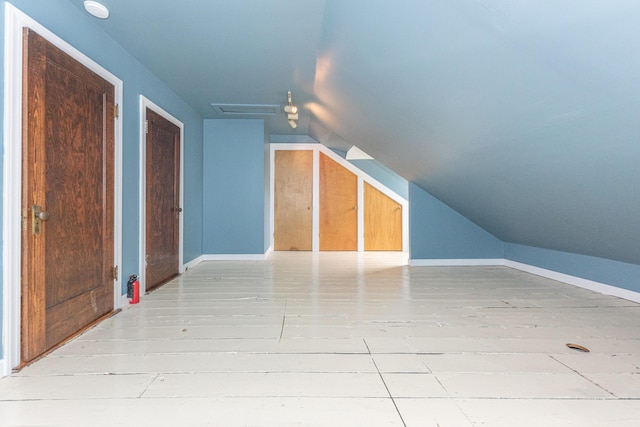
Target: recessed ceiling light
(96, 9)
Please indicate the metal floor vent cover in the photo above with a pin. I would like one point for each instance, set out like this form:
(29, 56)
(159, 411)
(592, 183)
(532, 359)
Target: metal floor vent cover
(247, 109)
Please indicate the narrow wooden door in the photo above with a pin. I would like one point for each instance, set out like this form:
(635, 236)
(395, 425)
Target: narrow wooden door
(338, 207)
(382, 221)
(162, 200)
(67, 197)
(293, 199)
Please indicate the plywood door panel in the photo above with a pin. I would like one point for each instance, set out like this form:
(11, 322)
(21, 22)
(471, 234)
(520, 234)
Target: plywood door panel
(338, 207)
(68, 170)
(162, 200)
(382, 221)
(293, 199)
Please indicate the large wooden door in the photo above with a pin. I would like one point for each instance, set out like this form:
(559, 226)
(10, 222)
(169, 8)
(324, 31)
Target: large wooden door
(67, 197)
(382, 221)
(293, 199)
(162, 200)
(338, 207)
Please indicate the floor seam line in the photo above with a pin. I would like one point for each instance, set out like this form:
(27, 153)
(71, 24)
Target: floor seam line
(452, 398)
(395, 405)
(146, 388)
(584, 377)
(284, 317)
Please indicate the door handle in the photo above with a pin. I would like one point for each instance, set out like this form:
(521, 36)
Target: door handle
(43, 215)
(38, 216)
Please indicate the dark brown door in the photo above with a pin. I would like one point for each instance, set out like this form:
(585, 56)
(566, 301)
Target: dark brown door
(162, 200)
(67, 174)
(338, 207)
(293, 199)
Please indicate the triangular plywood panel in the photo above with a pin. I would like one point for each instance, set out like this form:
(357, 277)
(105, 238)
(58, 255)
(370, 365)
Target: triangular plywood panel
(382, 221)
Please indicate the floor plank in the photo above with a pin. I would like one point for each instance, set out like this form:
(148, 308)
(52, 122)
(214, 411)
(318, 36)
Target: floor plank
(333, 339)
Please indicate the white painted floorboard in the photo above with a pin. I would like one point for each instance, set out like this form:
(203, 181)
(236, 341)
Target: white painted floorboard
(344, 339)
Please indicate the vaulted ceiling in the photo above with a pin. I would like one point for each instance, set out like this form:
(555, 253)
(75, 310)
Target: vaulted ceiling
(523, 115)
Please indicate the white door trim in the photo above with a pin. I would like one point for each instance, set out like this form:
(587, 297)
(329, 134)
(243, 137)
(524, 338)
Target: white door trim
(144, 104)
(15, 20)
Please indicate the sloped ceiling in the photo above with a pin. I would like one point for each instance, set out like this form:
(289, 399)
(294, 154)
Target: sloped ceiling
(523, 115)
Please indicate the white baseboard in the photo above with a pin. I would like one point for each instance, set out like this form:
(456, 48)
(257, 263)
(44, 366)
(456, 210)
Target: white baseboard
(193, 262)
(576, 281)
(228, 257)
(235, 257)
(454, 262)
(549, 274)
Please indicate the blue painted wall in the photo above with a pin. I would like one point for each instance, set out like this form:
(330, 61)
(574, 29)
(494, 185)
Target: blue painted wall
(439, 232)
(267, 196)
(79, 30)
(234, 200)
(193, 191)
(385, 175)
(614, 273)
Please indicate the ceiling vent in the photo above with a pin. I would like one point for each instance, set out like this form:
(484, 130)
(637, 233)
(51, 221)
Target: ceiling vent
(246, 109)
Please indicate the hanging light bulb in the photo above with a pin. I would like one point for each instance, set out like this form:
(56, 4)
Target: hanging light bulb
(292, 111)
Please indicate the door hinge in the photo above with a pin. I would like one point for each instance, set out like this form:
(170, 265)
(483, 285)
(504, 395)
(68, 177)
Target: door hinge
(116, 111)
(146, 127)
(115, 273)
(25, 212)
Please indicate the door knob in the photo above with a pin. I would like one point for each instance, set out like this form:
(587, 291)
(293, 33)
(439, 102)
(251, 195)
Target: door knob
(38, 216)
(42, 215)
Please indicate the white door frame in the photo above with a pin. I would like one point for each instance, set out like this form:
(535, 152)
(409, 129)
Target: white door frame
(15, 20)
(144, 104)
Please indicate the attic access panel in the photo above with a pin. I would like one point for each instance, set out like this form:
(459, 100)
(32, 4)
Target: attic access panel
(246, 109)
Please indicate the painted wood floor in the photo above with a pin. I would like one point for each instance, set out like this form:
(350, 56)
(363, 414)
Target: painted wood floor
(344, 339)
